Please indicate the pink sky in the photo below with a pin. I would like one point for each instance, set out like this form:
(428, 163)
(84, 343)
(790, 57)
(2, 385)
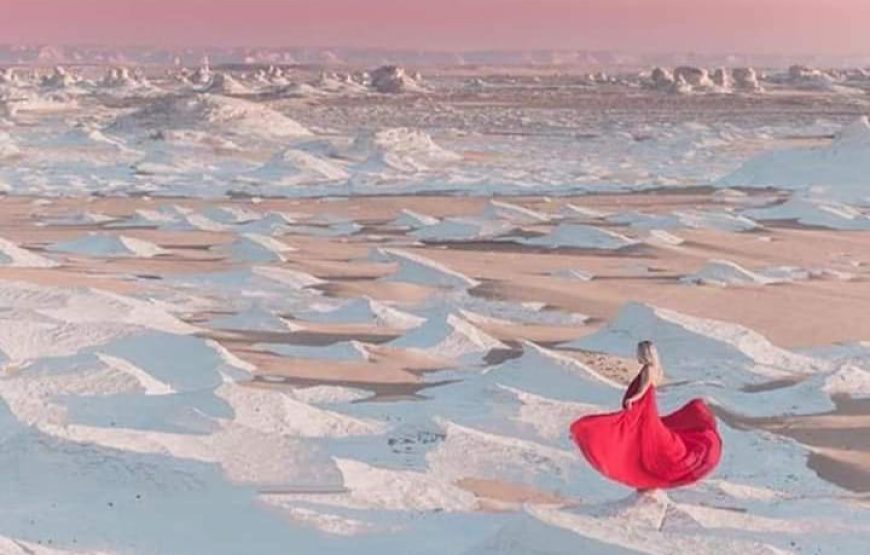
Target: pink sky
(823, 26)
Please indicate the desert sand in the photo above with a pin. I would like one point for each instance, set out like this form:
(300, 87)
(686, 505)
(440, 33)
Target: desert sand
(341, 311)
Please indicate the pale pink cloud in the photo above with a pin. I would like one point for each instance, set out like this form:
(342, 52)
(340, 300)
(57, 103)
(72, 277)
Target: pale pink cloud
(689, 25)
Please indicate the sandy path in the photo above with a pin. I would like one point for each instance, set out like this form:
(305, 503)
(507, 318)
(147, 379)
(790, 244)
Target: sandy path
(839, 441)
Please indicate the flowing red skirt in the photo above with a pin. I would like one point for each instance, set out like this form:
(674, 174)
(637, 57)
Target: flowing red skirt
(638, 448)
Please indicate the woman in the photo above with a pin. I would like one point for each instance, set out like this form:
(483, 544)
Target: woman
(642, 450)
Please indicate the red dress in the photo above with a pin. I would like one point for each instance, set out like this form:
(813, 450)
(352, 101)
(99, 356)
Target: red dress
(638, 448)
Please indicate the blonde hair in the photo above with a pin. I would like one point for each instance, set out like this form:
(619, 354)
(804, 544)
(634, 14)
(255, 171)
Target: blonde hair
(648, 355)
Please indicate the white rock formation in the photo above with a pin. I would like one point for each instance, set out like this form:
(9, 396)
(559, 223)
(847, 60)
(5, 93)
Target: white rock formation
(393, 80)
(745, 79)
(695, 77)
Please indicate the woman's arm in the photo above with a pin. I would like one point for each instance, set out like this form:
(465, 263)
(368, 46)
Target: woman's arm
(644, 385)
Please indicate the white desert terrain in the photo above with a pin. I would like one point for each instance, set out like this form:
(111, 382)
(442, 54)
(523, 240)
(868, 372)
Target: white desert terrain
(271, 309)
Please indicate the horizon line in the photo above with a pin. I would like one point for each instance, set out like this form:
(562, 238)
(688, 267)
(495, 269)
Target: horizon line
(399, 49)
